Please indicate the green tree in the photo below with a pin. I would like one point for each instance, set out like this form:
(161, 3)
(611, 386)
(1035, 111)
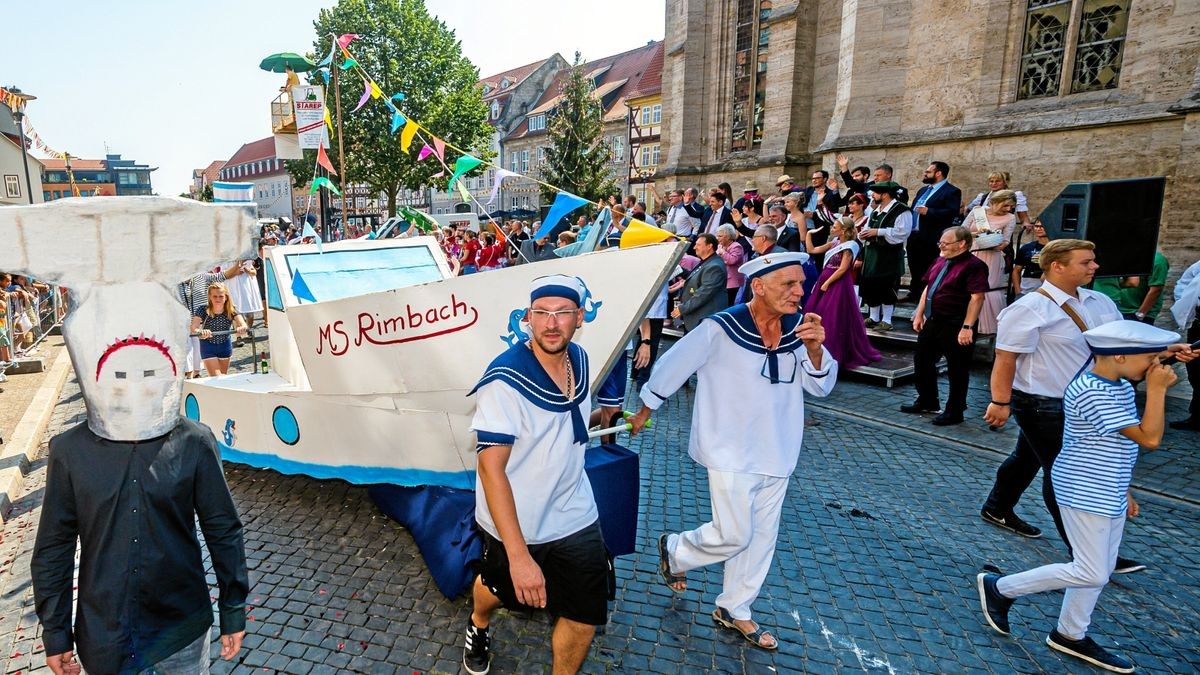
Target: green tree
(578, 158)
(206, 194)
(407, 50)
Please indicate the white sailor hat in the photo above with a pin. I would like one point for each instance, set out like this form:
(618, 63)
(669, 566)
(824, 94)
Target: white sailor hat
(770, 262)
(1128, 337)
(558, 286)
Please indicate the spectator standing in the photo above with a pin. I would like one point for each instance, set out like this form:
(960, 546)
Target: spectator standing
(514, 240)
(883, 254)
(469, 255)
(1187, 310)
(834, 299)
(945, 324)
(934, 209)
(857, 180)
(732, 253)
(703, 292)
(992, 228)
(790, 236)
(678, 220)
(1027, 270)
(821, 201)
(882, 174)
(490, 253)
(718, 213)
(1139, 298)
(533, 250)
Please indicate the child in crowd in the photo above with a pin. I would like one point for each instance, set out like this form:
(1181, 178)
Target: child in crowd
(1091, 478)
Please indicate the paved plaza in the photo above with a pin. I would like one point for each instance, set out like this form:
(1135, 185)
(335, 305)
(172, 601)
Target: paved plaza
(880, 543)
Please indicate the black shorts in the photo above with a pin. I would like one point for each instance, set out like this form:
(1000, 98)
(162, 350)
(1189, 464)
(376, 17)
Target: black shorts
(579, 575)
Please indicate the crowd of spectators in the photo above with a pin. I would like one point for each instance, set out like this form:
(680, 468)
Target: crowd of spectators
(27, 309)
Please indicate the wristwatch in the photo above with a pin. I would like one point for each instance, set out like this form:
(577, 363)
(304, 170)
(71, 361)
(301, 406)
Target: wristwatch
(1140, 315)
(967, 326)
(645, 342)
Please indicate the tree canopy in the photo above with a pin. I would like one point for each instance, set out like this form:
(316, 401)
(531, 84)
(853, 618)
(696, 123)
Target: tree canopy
(578, 159)
(406, 50)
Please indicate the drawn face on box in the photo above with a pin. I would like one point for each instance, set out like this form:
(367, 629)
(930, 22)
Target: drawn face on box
(127, 342)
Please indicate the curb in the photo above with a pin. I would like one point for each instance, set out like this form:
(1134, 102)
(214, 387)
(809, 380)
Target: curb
(20, 450)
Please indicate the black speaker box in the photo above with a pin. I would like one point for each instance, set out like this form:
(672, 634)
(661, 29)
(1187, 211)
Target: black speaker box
(1121, 217)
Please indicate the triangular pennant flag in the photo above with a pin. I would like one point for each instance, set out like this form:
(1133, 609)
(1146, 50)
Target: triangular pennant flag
(346, 39)
(425, 152)
(398, 97)
(320, 72)
(348, 64)
(308, 231)
(462, 165)
(328, 120)
(397, 121)
(323, 182)
(439, 146)
(564, 204)
(300, 289)
(462, 190)
(323, 160)
(366, 95)
(438, 174)
(501, 174)
(376, 92)
(590, 236)
(328, 59)
(641, 233)
(406, 136)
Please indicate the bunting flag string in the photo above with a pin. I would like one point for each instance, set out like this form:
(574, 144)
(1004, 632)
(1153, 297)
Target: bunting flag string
(462, 165)
(406, 136)
(564, 204)
(348, 64)
(501, 174)
(323, 182)
(323, 160)
(397, 121)
(365, 97)
(346, 39)
(308, 231)
(425, 152)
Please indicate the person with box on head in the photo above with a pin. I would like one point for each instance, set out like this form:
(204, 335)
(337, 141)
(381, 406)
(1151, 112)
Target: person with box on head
(534, 503)
(765, 355)
(1092, 481)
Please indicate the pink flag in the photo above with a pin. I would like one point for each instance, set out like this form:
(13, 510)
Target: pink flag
(438, 174)
(365, 97)
(425, 152)
(440, 146)
(346, 39)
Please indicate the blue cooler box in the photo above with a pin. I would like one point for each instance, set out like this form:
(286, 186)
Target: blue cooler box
(616, 482)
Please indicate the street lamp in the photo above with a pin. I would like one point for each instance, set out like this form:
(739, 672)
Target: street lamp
(18, 115)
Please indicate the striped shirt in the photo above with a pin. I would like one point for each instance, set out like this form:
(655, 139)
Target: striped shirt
(1093, 471)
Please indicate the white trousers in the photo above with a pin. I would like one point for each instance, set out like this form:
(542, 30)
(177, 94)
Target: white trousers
(1095, 540)
(745, 524)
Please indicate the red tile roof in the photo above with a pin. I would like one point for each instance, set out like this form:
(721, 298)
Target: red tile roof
(253, 151)
(77, 164)
(620, 68)
(651, 82)
(515, 77)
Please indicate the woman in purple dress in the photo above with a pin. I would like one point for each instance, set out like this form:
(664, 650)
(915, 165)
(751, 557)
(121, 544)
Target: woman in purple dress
(834, 300)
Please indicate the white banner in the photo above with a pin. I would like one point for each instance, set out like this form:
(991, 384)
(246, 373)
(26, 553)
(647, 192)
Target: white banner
(308, 102)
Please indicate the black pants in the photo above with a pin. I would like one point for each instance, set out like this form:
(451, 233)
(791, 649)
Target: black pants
(938, 338)
(922, 251)
(640, 375)
(1039, 440)
(1193, 371)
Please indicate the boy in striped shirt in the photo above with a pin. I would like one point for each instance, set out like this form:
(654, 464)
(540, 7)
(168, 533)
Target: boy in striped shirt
(1091, 479)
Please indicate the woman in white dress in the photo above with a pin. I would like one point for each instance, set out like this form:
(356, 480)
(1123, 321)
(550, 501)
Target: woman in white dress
(993, 228)
(243, 289)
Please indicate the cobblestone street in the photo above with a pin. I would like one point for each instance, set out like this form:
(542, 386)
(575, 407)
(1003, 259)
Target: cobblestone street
(880, 543)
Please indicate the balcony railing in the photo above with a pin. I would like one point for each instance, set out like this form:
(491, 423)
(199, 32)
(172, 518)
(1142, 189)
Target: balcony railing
(283, 117)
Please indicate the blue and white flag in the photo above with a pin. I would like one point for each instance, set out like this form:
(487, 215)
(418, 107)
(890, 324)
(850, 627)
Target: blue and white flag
(227, 193)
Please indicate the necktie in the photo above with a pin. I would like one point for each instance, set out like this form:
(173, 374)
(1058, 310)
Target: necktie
(937, 281)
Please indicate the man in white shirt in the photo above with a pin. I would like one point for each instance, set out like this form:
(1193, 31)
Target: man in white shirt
(1187, 309)
(534, 504)
(760, 355)
(1040, 348)
(679, 220)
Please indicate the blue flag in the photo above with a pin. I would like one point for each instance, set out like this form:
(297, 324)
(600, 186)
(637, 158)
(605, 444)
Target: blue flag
(564, 204)
(397, 121)
(310, 232)
(300, 289)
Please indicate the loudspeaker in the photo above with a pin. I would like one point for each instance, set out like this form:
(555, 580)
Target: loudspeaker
(1121, 217)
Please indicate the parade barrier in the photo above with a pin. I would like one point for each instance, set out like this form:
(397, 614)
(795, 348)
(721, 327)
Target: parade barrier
(28, 324)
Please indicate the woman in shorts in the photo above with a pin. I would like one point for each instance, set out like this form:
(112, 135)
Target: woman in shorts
(221, 317)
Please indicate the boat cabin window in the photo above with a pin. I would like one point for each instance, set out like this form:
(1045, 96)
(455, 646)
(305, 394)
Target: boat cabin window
(274, 301)
(341, 274)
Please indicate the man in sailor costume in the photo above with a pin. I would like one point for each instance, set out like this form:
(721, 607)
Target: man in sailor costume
(534, 503)
(754, 362)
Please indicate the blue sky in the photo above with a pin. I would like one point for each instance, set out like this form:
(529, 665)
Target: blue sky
(177, 85)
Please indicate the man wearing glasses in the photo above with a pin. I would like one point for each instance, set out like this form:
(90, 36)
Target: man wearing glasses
(534, 504)
(765, 355)
(945, 322)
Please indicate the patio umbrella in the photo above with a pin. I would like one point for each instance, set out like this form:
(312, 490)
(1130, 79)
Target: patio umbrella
(277, 63)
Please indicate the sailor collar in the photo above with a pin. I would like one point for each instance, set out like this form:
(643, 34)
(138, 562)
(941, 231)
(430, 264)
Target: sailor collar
(519, 368)
(739, 326)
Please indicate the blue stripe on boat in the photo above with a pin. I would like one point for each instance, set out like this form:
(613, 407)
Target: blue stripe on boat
(358, 475)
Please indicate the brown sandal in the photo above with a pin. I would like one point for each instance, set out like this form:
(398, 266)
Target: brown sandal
(755, 637)
(664, 567)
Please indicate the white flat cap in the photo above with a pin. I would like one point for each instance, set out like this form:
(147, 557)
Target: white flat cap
(1128, 337)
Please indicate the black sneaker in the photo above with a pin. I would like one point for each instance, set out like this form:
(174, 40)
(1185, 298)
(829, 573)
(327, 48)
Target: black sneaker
(1012, 523)
(918, 407)
(1089, 651)
(995, 606)
(477, 656)
(1125, 566)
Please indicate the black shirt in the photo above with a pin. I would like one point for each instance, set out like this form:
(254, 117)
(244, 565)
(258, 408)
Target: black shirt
(133, 506)
(1029, 258)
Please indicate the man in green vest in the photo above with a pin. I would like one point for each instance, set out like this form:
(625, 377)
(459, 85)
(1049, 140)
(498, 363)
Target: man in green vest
(883, 253)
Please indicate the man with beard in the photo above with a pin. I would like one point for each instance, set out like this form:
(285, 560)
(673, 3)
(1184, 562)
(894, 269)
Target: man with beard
(534, 504)
(765, 355)
(934, 210)
(883, 254)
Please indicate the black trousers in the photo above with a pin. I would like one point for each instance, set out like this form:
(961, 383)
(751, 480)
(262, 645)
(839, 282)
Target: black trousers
(939, 338)
(640, 375)
(1193, 371)
(1039, 440)
(922, 251)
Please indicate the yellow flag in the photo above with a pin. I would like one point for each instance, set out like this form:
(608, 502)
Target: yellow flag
(375, 91)
(462, 190)
(406, 136)
(328, 121)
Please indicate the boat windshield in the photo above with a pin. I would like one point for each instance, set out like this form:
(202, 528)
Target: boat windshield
(341, 274)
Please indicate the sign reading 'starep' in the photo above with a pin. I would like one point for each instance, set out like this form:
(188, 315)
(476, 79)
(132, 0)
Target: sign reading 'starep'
(413, 323)
(308, 102)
